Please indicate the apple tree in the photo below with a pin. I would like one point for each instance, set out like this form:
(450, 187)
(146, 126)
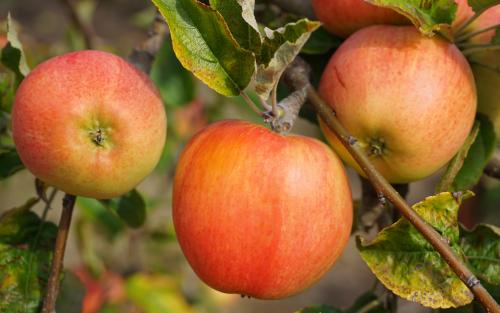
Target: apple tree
(400, 89)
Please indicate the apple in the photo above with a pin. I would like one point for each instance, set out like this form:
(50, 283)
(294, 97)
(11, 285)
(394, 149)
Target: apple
(344, 17)
(89, 123)
(257, 213)
(3, 41)
(409, 100)
(484, 63)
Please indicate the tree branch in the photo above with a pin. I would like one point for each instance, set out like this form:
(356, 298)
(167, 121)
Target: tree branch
(86, 30)
(295, 77)
(49, 301)
(144, 54)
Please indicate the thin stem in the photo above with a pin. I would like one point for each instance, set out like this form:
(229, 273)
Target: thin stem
(483, 258)
(87, 31)
(274, 101)
(480, 48)
(264, 104)
(251, 103)
(296, 75)
(369, 306)
(462, 27)
(466, 36)
(48, 203)
(49, 301)
(455, 165)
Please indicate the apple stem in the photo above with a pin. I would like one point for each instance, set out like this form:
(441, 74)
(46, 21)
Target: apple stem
(288, 110)
(466, 36)
(274, 100)
(251, 104)
(53, 283)
(297, 77)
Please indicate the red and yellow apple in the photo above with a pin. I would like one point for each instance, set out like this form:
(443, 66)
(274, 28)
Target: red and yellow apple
(410, 100)
(344, 17)
(484, 64)
(89, 123)
(257, 213)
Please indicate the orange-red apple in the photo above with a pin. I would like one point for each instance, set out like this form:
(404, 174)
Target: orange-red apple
(485, 64)
(89, 123)
(257, 213)
(410, 100)
(344, 17)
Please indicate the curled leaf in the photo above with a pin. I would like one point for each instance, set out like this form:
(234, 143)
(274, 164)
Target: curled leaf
(408, 265)
(427, 15)
(279, 49)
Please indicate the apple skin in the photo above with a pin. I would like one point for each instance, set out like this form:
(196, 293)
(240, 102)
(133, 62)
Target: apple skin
(61, 106)
(344, 17)
(257, 213)
(487, 79)
(409, 100)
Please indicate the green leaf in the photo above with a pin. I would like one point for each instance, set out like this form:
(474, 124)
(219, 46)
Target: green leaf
(427, 15)
(478, 156)
(156, 294)
(454, 166)
(19, 224)
(12, 54)
(174, 82)
(98, 213)
(409, 266)
(10, 163)
(321, 42)
(26, 244)
(204, 45)
(482, 5)
(280, 47)
(319, 309)
(131, 208)
(6, 95)
(240, 18)
(482, 250)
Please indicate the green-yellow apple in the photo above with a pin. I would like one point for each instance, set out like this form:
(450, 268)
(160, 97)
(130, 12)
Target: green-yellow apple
(344, 17)
(410, 100)
(89, 123)
(486, 64)
(257, 213)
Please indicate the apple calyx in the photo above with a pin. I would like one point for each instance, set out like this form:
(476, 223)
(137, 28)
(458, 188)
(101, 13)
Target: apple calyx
(98, 137)
(376, 147)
